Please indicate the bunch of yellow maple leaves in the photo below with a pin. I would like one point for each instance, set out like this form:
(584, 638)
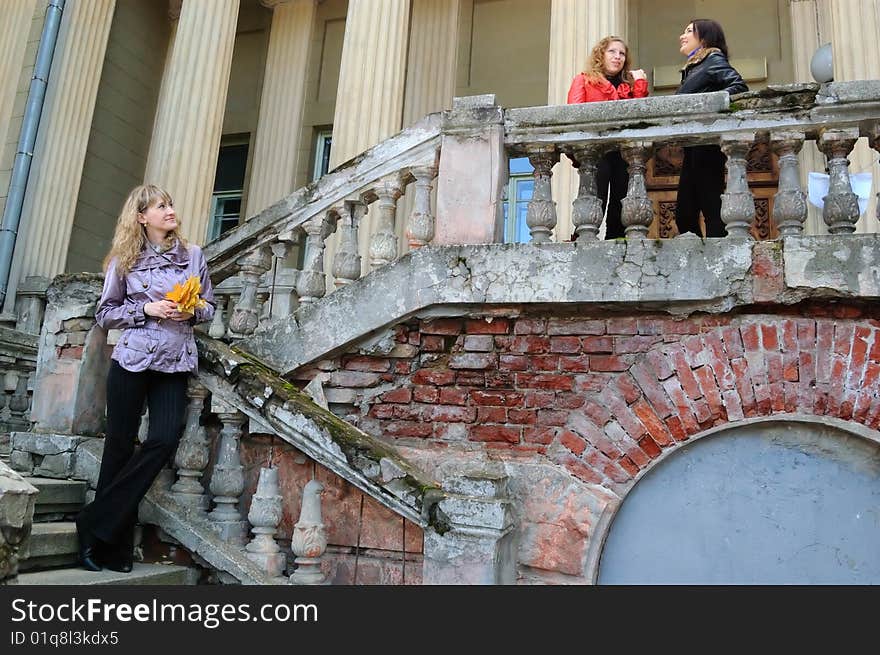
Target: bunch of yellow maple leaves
(186, 295)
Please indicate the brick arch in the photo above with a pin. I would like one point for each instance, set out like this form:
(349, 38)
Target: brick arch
(753, 367)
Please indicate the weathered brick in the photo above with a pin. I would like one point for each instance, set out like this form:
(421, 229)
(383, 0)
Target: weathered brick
(636, 344)
(470, 379)
(479, 343)
(647, 445)
(777, 396)
(565, 345)
(530, 344)
(682, 404)
(574, 364)
(403, 368)
(559, 326)
(655, 427)
(683, 372)
(524, 416)
(653, 391)
(580, 470)
(743, 384)
(497, 398)
(451, 414)
(656, 362)
(591, 383)
(676, 428)
(539, 399)
(551, 417)
(402, 395)
(544, 362)
(622, 413)
(638, 456)
(627, 465)
(356, 379)
(408, 429)
(433, 343)
(847, 404)
(530, 326)
(500, 379)
(717, 360)
(858, 358)
(651, 326)
(445, 326)
(473, 361)
(495, 433)
(491, 415)
(544, 381)
(733, 344)
(609, 363)
(790, 366)
(452, 396)
(843, 337)
(824, 344)
(862, 406)
(627, 388)
(790, 391)
(438, 376)
(710, 392)
(622, 326)
(514, 362)
(769, 337)
(381, 411)
(598, 412)
(569, 400)
(409, 412)
(487, 326)
(373, 364)
(540, 435)
(597, 344)
(426, 394)
(572, 441)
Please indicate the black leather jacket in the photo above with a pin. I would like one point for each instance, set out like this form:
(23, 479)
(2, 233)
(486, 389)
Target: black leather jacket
(710, 72)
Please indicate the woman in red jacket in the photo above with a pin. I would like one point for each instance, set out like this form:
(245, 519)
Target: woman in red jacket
(608, 77)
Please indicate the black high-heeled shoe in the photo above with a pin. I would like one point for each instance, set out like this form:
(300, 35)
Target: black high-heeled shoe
(119, 563)
(88, 554)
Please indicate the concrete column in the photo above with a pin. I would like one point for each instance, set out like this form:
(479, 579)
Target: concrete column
(60, 151)
(276, 145)
(15, 24)
(369, 99)
(576, 26)
(855, 25)
(430, 77)
(189, 117)
(810, 28)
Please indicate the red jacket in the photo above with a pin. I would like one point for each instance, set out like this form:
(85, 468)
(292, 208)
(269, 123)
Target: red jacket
(583, 90)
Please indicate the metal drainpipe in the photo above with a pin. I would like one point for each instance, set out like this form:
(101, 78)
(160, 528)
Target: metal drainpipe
(25, 153)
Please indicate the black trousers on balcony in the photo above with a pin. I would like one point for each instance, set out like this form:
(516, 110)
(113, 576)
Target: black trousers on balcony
(612, 179)
(127, 472)
(699, 190)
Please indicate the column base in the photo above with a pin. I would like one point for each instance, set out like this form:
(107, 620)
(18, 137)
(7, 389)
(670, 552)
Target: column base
(272, 563)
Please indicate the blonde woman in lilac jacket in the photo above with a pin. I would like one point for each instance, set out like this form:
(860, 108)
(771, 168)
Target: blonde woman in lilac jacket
(151, 364)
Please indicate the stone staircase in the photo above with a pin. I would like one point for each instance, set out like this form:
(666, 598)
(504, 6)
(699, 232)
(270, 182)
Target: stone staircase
(51, 556)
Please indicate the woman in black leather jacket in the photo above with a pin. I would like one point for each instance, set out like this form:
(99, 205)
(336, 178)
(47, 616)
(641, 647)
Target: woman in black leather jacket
(702, 175)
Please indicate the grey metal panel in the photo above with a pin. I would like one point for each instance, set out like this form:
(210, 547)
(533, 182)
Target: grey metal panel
(787, 503)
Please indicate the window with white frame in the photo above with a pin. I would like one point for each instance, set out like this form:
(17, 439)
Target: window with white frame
(226, 200)
(518, 192)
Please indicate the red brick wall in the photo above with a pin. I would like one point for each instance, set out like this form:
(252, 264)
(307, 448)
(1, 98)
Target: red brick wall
(603, 397)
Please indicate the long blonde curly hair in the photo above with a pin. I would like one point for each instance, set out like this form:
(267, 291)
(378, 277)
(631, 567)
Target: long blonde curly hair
(594, 70)
(130, 237)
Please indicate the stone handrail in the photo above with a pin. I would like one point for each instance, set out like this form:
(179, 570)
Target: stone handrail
(413, 147)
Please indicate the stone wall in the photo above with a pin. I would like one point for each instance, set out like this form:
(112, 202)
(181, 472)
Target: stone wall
(578, 406)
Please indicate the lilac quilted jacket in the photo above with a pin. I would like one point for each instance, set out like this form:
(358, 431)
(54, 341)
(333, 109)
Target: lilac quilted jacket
(147, 342)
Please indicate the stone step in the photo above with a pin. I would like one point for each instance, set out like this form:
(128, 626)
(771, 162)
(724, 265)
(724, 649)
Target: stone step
(50, 545)
(58, 497)
(141, 574)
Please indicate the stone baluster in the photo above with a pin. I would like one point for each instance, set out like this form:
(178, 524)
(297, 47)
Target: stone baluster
(30, 304)
(841, 210)
(217, 329)
(283, 281)
(420, 227)
(874, 141)
(263, 304)
(265, 515)
(587, 207)
(383, 243)
(245, 316)
(737, 202)
(192, 453)
(227, 478)
(790, 202)
(20, 402)
(541, 214)
(347, 261)
(309, 539)
(312, 284)
(637, 211)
